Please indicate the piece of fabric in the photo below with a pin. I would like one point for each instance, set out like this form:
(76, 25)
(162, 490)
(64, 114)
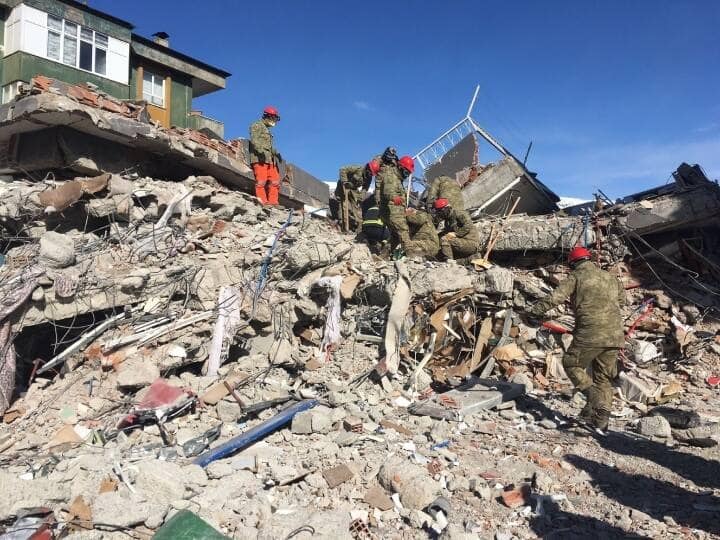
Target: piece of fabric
(261, 143)
(596, 297)
(331, 334)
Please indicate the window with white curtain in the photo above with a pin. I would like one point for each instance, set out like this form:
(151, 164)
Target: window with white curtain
(153, 88)
(76, 46)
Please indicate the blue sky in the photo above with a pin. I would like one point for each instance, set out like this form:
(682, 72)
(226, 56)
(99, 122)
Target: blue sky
(613, 94)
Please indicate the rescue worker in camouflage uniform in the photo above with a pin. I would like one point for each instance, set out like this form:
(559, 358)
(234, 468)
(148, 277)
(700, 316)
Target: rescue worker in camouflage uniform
(264, 158)
(388, 157)
(459, 238)
(424, 241)
(350, 192)
(444, 187)
(597, 297)
(392, 199)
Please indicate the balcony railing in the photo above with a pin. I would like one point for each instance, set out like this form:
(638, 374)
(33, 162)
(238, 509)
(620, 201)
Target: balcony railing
(197, 121)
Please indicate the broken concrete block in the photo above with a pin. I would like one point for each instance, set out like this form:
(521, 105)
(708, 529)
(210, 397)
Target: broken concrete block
(228, 411)
(413, 483)
(498, 280)
(302, 423)
(137, 372)
(439, 280)
(123, 511)
(321, 420)
(160, 481)
(337, 475)
(705, 436)
(18, 493)
(56, 250)
(474, 395)
(677, 418)
(654, 426)
(377, 498)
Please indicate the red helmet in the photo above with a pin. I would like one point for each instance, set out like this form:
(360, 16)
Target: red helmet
(440, 203)
(373, 166)
(271, 111)
(578, 253)
(407, 163)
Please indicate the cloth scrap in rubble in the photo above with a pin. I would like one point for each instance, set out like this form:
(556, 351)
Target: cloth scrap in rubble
(161, 400)
(472, 396)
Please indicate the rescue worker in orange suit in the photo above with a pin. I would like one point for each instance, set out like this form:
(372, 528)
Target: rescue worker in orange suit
(264, 158)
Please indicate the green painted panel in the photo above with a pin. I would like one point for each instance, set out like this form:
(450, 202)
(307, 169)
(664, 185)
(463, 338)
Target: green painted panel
(81, 17)
(23, 66)
(180, 102)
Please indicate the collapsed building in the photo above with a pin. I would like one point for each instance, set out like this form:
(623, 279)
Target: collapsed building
(175, 357)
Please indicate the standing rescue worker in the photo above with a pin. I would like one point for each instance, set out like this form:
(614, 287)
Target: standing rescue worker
(424, 237)
(388, 157)
(444, 187)
(392, 199)
(350, 192)
(264, 158)
(459, 237)
(597, 297)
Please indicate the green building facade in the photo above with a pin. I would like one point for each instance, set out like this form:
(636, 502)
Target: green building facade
(71, 42)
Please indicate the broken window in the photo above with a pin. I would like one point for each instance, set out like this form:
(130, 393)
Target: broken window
(76, 46)
(154, 89)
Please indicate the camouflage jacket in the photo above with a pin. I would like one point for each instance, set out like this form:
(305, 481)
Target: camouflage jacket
(352, 177)
(445, 187)
(389, 180)
(597, 297)
(423, 227)
(459, 222)
(261, 144)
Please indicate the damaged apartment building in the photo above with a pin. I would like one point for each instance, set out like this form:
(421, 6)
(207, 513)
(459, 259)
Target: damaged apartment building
(82, 93)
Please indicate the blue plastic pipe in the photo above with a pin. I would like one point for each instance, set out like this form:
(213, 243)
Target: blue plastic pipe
(255, 434)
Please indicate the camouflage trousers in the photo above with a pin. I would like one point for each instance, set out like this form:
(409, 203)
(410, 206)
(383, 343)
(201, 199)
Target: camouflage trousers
(354, 209)
(396, 222)
(458, 248)
(597, 388)
(421, 248)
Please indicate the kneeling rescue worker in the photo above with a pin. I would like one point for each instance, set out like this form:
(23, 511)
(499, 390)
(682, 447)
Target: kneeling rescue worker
(597, 297)
(459, 237)
(264, 158)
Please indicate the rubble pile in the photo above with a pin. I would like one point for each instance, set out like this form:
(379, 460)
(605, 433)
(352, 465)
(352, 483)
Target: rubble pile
(173, 352)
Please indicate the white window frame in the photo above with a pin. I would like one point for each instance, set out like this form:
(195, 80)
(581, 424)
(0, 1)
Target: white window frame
(154, 78)
(98, 42)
